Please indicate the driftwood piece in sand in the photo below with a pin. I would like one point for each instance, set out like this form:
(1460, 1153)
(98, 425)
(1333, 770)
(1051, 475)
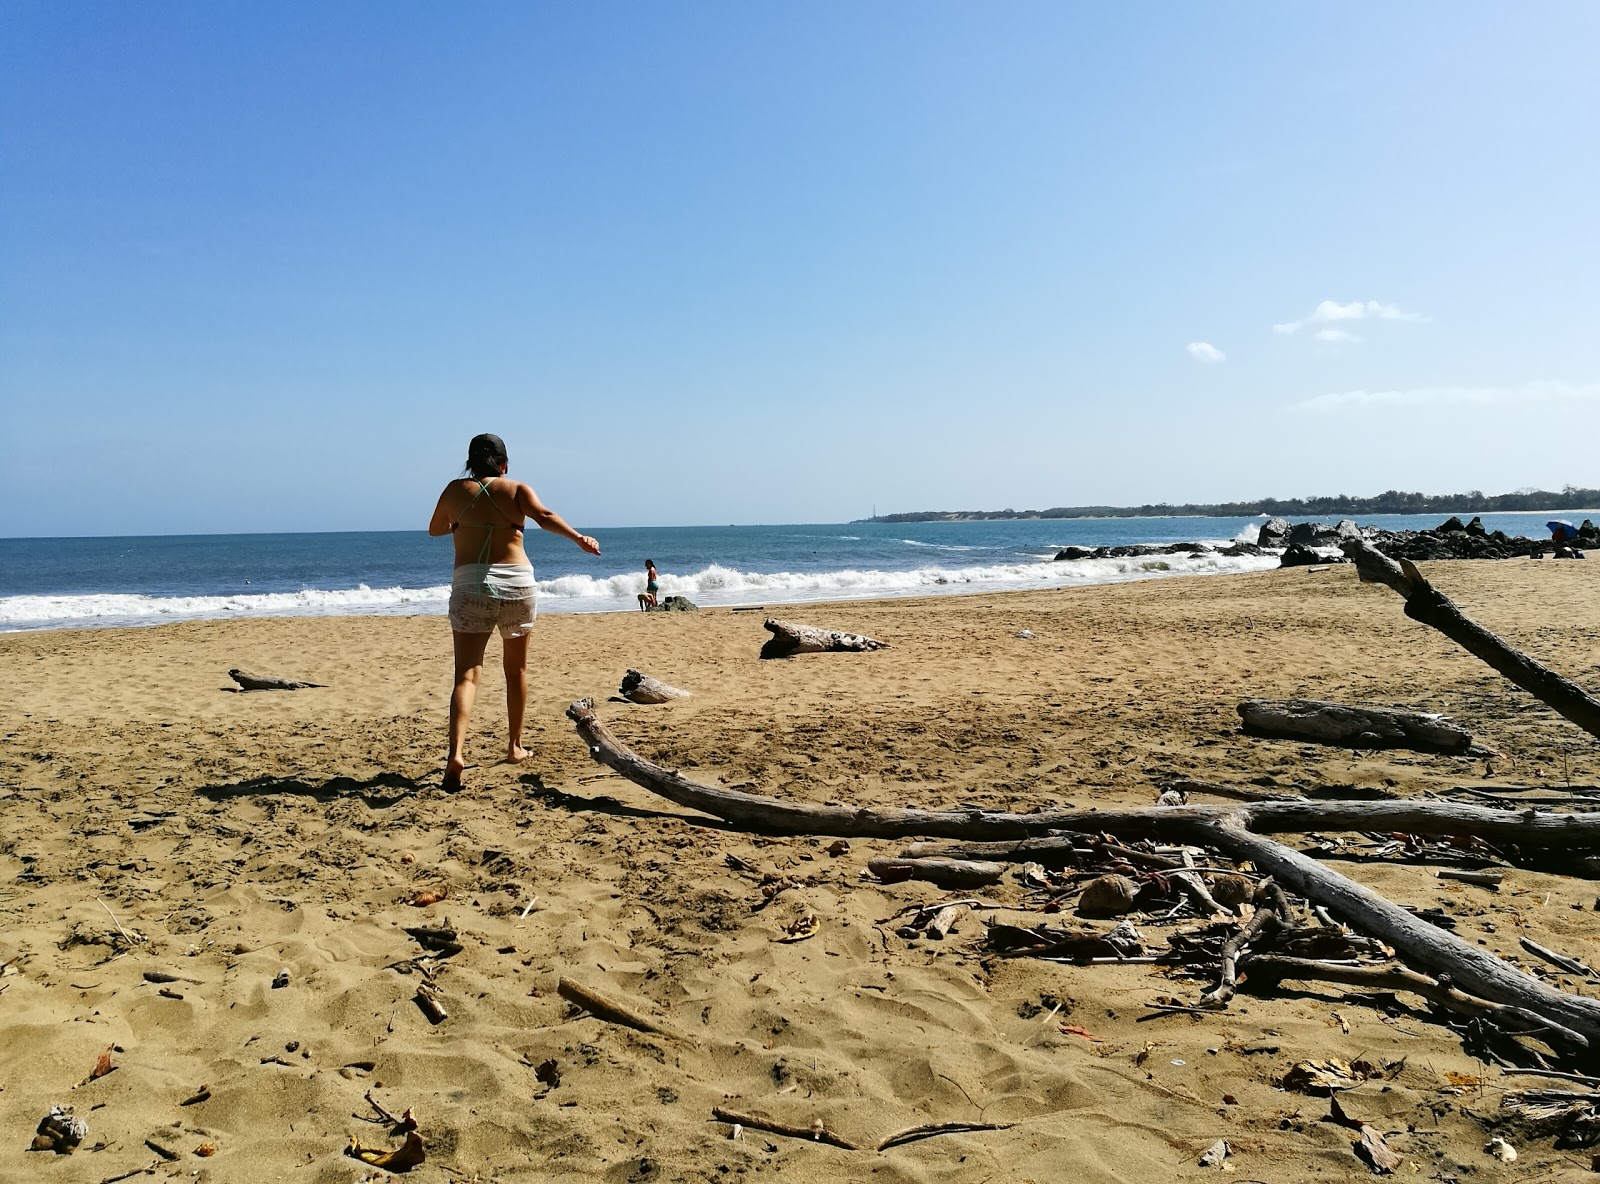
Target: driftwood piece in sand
(266, 682)
(947, 873)
(1352, 727)
(606, 1008)
(945, 920)
(816, 1132)
(1427, 604)
(788, 639)
(1239, 831)
(641, 688)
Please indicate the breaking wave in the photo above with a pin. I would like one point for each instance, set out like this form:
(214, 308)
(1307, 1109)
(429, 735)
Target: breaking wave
(712, 585)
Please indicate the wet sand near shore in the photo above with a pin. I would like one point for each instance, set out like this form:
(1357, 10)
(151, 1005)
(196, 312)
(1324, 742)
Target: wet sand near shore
(156, 822)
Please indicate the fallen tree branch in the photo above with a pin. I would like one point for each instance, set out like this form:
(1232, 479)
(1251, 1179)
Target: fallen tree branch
(1238, 831)
(929, 1130)
(1427, 604)
(1270, 969)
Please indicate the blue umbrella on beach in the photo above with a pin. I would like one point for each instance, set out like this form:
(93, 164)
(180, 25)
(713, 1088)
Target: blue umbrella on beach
(1561, 528)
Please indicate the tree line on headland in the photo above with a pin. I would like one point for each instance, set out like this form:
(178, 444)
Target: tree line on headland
(1394, 501)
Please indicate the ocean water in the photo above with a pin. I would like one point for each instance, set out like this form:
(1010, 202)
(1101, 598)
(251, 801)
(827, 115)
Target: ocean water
(144, 580)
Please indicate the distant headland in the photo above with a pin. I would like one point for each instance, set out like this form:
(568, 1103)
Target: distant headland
(1393, 502)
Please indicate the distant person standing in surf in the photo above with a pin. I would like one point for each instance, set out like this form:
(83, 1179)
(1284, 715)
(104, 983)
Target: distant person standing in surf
(492, 587)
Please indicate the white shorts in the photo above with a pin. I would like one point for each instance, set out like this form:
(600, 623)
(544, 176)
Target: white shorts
(489, 596)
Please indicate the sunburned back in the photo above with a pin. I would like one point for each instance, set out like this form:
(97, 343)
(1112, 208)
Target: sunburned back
(487, 522)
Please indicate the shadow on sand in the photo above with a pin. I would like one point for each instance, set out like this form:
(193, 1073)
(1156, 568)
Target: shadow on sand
(384, 789)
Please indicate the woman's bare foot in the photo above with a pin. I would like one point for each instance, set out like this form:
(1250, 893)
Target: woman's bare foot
(452, 775)
(516, 754)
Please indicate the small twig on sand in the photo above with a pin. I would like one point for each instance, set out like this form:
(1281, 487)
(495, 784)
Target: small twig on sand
(931, 1129)
(380, 1111)
(816, 1132)
(126, 936)
(1570, 965)
(145, 1171)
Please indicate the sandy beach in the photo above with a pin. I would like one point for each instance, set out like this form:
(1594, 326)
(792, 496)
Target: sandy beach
(156, 821)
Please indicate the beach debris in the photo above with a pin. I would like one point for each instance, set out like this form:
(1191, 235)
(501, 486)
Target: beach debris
(206, 1150)
(426, 896)
(428, 1000)
(169, 993)
(1080, 945)
(1501, 1150)
(1330, 1076)
(1489, 880)
(408, 1155)
(59, 1131)
(1084, 1033)
(1025, 634)
(1503, 1004)
(789, 639)
(1369, 1146)
(1352, 727)
(641, 688)
(281, 979)
(816, 1132)
(130, 939)
(163, 1143)
(1570, 965)
(267, 682)
(442, 940)
(161, 976)
(947, 873)
(1108, 896)
(1215, 1154)
(548, 1074)
(944, 921)
(103, 1065)
(838, 847)
(606, 1008)
(805, 925)
(203, 1094)
(930, 1129)
(736, 1131)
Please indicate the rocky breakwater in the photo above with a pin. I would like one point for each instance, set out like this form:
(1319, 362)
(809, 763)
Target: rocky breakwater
(1137, 550)
(1314, 542)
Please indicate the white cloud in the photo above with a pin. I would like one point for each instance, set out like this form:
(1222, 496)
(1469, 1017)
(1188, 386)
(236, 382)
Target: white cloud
(1204, 351)
(1336, 335)
(1458, 396)
(1357, 310)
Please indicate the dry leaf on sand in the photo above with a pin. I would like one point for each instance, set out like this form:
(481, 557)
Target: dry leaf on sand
(399, 1159)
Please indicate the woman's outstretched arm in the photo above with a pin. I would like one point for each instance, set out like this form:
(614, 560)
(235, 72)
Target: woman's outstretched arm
(547, 519)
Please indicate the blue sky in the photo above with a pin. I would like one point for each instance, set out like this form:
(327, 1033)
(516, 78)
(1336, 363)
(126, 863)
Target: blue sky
(268, 266)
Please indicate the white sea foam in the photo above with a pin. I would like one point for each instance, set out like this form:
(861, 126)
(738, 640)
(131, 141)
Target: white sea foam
(713, 585)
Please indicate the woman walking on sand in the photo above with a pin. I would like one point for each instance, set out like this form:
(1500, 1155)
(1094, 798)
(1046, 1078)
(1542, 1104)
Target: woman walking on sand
(492, 586)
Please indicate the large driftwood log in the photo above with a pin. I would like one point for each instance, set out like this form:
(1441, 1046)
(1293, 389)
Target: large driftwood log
(1239, 831)
(267, 682)
(641, 688)
(1427, 604)
(788, 639)
(1352, 727)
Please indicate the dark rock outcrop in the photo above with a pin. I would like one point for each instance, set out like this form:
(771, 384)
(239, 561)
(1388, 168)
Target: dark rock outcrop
(1273, 533)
